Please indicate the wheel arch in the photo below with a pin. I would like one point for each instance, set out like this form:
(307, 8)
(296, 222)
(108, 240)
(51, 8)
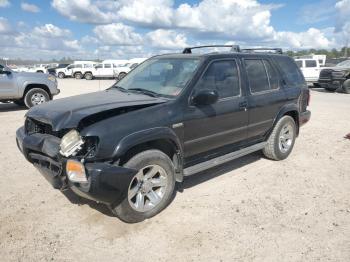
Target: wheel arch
(41, 86)
(288, 110)
(162, 138)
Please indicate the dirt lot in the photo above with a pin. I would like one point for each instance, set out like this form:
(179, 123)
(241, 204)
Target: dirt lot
(251, 209)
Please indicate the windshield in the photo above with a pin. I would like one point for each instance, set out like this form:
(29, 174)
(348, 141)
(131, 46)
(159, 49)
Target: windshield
(344, 63)
(162, 76)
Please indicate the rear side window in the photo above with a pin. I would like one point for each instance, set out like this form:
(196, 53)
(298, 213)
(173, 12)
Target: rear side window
(108, 66)
(261, 74)
(310, 63)
(291, 72)
(223, 77)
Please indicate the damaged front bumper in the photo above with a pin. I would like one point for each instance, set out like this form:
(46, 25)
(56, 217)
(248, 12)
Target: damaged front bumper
(107, 183)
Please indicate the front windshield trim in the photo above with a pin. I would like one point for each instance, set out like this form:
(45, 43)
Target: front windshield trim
(174, 76)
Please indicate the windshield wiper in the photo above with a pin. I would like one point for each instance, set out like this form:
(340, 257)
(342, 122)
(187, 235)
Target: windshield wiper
(145, 91)
(119, 88)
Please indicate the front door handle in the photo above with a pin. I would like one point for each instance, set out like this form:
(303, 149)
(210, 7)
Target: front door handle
(243, 104)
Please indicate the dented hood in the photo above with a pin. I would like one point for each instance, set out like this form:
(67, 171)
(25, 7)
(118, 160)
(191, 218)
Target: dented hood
(68, 112)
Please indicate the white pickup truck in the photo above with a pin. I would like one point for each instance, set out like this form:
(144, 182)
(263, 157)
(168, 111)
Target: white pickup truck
(310, 68)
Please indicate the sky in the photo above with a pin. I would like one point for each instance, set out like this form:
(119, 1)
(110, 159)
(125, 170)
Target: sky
(123, 29)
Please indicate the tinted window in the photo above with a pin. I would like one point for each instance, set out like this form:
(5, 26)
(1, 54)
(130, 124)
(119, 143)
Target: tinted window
(108, 66)
(78, 66)
(310, 63)
(71, 66)
(88, 65)
(258, 79)
(299, 63)
(272, 74)
(291, 72)
(223, 77)
(99, 66)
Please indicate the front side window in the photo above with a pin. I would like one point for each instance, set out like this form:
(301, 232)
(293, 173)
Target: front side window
(99, 66)
(310, 63)
(70, 67)
(163, 76)
(108, 66)
(79, 66)
(223, 77)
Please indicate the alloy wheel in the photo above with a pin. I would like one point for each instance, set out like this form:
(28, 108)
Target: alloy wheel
(147, 188)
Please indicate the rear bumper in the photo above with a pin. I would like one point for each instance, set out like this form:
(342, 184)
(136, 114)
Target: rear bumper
(304, 117)
(107, 183)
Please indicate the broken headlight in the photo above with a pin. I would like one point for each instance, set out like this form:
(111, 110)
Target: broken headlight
(71, 143)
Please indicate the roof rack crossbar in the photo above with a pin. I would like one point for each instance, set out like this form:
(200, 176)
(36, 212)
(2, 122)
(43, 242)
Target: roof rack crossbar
(188, 50)
(276, 50)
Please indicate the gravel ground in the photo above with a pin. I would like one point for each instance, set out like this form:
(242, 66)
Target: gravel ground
(251, 209)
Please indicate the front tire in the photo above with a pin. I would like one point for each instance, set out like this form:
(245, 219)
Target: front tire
(61, 75)
(282, 139)
(36, 96)
(346, 86)
(150, 190)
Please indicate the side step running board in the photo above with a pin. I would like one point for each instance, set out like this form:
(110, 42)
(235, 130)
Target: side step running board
(222, 159)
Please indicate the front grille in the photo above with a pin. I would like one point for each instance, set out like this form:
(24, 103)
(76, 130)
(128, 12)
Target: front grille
(326, 73)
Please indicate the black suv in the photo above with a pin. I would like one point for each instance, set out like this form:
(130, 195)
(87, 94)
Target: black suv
(172, 116)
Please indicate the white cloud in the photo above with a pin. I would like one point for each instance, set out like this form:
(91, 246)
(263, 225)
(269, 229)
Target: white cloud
(343, 18)
(312, 38)
(5, 27)
(86, 11)
(4, 3)
(167, 39)
(156, 13)
(30, 7)
(51, 31)
(117, 34)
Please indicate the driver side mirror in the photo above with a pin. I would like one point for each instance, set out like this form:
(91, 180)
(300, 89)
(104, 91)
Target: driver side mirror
(205, 97)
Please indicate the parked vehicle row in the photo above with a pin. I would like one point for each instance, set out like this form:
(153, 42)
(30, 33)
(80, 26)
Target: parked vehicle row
(89, 70)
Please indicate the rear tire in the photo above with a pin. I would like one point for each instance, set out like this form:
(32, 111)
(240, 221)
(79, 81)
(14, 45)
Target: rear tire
(147, 194)
(36, 96)
(88, 76)
(282, 139)
(346, 86)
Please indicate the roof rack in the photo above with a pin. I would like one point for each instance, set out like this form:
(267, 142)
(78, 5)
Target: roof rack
(188, 50)
(275, 50)
(235, 48)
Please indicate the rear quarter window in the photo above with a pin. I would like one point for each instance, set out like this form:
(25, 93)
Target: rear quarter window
(290, 71)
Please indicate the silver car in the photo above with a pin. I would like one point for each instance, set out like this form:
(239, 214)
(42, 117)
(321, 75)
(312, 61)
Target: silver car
(27, 89)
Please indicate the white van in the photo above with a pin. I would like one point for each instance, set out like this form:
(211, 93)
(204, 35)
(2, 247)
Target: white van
(310, 68)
